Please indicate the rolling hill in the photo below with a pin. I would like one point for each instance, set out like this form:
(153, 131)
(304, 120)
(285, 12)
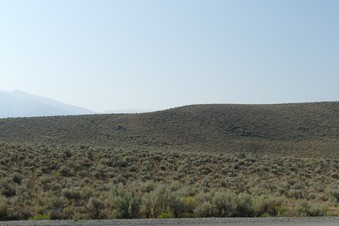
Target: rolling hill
(262, 160)
(298, 130)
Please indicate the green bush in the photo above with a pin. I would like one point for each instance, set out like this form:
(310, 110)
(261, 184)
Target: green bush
(308, 210)
(334, 194)
(177, 204)
(205, 209)
(244, 207)
(74, 194)
(3, 209)
(8, 190)
(126, 204)
(17, 178)
(95, 208)
(225, 203)
(165, 215)
(157, 201)
(267, 206)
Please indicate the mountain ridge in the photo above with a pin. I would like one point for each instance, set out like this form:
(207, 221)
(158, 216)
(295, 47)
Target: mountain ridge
(22, 104)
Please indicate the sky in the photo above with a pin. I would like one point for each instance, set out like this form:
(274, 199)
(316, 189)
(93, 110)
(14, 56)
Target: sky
(158, 54)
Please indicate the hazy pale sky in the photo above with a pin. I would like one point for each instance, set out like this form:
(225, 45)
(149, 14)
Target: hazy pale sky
(157, 54)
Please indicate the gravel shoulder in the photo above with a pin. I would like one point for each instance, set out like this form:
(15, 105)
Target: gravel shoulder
(333, 221)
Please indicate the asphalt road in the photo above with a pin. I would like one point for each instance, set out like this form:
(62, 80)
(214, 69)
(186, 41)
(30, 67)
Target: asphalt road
(189, 222)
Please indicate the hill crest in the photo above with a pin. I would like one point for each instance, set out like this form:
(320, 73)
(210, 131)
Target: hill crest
(303, 130)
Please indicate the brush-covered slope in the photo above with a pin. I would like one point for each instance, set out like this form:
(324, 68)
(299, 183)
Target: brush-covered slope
(304, 130)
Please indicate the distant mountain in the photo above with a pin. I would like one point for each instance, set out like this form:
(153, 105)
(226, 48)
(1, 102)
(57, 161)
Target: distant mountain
(21, 104)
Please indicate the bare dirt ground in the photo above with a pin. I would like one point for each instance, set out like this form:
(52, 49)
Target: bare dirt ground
(188, 222)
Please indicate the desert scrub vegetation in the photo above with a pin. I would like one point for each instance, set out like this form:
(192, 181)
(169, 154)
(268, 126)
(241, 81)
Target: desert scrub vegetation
(294, 130)
(86, 182)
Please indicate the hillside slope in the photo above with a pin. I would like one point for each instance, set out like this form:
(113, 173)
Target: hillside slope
(303, 130)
